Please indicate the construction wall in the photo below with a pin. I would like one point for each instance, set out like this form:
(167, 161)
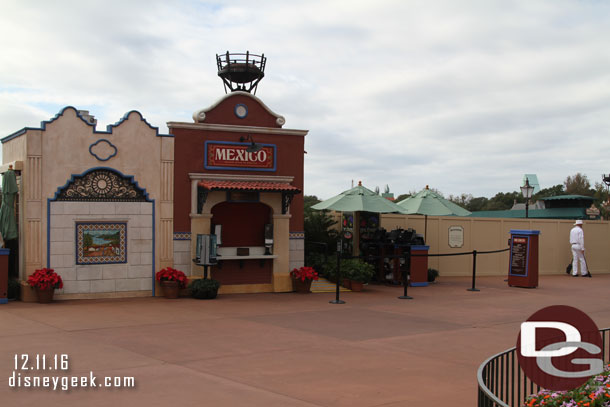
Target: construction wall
(486, 234)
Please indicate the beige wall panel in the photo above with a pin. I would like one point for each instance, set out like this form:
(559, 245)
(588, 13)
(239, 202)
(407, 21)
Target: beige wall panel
(200, 224)
(62, 150)
(167, 149)
(281, 248)
(167, 181)
(34, 143)
(15, 149)
(488, 234)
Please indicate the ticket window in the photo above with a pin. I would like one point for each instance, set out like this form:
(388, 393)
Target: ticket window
(243, 224)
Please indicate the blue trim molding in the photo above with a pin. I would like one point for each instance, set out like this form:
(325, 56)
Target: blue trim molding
(237, 106)
(129, 179)
(109, 128)
(106, 142)
(233, 143)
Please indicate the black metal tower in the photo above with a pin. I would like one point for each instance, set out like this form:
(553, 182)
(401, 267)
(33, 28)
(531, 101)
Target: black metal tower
(241, 72)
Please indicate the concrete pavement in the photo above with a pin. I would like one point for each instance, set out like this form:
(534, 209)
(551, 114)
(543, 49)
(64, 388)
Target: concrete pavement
(282, 349)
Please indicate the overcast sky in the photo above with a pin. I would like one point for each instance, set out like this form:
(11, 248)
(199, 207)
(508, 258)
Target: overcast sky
(466, 96)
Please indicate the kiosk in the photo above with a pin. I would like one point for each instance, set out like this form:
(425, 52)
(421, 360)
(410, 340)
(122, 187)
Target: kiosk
(238, 175)
(523, 264)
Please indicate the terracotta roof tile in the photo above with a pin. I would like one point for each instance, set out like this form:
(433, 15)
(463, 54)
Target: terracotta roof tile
(247, 186)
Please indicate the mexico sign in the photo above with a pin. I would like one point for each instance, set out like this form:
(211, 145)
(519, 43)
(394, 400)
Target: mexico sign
(225, 155)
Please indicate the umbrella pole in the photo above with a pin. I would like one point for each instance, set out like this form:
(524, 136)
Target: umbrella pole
(405, 281)
(339, 247)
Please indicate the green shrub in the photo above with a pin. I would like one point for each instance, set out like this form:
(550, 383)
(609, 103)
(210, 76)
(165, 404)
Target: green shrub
(204, 288)
(351, 269)
(359, 271)
(432, 275)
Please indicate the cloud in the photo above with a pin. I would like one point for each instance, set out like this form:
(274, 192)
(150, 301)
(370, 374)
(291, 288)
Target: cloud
(464, 96)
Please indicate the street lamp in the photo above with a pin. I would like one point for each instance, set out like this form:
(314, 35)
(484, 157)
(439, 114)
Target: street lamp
(606, 205)
(527, 191)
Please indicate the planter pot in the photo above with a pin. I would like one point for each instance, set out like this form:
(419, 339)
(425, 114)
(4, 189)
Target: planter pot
(347, 283)
(356, 285)
(171, 289)
(302, 287)
(44, 296)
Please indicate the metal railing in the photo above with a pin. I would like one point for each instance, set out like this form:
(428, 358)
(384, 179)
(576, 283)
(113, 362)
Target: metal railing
(502, 382)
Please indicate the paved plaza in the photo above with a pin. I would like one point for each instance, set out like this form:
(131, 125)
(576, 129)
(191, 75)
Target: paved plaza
(283, 349)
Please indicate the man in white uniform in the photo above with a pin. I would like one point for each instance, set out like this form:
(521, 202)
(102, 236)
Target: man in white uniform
(577, 241)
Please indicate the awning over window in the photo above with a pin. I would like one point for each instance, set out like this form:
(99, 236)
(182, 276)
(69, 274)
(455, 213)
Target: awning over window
(222, 185)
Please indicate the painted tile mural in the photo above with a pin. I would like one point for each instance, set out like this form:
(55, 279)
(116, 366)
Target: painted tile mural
(101, 242)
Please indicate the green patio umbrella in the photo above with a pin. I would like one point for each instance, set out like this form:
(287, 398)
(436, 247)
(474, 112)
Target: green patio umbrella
(357, 199)
(8, 226)
(429, 203)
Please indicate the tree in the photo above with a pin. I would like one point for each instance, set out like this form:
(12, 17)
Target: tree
(548, 192)
(578, 184)
(601, 197)
(402, 197)
(503, 201)
(308, 202)
(462, 200)
(477, 204)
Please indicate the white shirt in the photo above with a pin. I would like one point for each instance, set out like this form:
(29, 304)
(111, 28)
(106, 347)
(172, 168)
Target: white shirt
(577, 236)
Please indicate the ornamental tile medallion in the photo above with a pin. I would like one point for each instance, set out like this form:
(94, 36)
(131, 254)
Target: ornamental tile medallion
(102, 185)
(101, 242)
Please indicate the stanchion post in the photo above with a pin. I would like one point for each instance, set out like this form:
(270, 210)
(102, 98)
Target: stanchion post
(405, 281)
(339, 250)
(474, 271)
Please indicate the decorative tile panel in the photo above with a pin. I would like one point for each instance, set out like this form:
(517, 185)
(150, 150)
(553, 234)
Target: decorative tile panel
(101, 242)
(182, 235)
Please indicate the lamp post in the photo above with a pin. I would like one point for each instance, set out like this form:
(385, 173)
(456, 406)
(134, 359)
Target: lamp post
(606, 180)
(527, 191)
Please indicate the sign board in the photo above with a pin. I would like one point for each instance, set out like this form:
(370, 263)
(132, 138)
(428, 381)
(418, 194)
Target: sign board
(456, 236)
(518, 256)
(225, 155)
(592, 212)
(523, 262)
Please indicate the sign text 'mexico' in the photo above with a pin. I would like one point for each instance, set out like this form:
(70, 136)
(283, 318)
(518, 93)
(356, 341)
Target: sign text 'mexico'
(234, 156)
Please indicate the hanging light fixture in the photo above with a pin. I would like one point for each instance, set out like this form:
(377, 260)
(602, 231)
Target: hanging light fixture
(253, 147)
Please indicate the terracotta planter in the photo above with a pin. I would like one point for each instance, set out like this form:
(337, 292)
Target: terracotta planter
(347, 283)
(302, 287)
(171, 289)
(45, 296)
(356, 285)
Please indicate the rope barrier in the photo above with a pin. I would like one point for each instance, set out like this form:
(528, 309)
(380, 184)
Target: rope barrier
(407, 256)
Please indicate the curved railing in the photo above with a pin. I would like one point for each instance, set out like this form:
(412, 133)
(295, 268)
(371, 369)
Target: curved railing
(502, 383)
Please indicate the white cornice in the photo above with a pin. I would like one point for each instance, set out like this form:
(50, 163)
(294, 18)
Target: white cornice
(237, 129)
(199, 115)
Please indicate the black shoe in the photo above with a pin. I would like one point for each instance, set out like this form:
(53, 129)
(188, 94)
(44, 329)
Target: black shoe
(574, 275)
(588, 275)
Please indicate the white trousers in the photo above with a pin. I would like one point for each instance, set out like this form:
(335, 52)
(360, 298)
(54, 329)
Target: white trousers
(578, 257)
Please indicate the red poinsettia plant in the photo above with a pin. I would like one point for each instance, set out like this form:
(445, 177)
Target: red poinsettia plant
(171, 274)
(45, 278)
(304, 273)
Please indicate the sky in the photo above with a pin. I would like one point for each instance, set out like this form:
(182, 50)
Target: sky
(465, 96)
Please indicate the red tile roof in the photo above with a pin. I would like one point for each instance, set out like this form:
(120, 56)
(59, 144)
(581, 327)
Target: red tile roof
(247, 186)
